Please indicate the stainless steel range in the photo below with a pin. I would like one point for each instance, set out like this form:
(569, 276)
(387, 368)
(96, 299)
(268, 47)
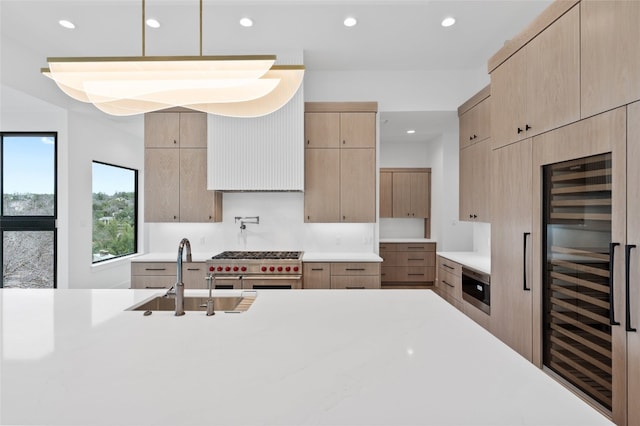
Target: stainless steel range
(256, 269)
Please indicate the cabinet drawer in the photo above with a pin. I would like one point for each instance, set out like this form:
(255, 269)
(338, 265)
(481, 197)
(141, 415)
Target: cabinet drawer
(355, 282)
(152, 281)
(417, 258)
(364, 268)
(316, 275)
(417, 247)
(407, 274)
(388, 247)
(153, 268)
(390, 258)
(448, 265)
(450, 284)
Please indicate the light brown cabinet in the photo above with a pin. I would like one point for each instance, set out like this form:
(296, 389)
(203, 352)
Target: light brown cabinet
(449, 281)
(175, 175)
(511, 226)
(340, 158)
(340, 129)
(341, 275)
(538, 88)
(405, 193)
(408, 265)
(475, 182)
(610, 55)
(161, 275)
(475, 118)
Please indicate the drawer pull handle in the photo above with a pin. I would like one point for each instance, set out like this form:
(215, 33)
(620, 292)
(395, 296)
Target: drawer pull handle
(415, 259)
(354, 288)
(155, 269)
(156, 287)
(317, 269)
(415, 274)
(193, 269)
(416, 248)
(354, 269)
(447, 283)
(447, 266)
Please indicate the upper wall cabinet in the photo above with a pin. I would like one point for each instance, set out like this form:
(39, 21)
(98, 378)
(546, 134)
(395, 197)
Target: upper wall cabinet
(175, 171)
(405, 193)
(340, 162)
(334, 129)
(610, 50)
(538, 88)
(475, 118)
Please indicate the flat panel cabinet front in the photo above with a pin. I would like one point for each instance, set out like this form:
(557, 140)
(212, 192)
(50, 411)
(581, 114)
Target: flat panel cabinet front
(511, 300)
(316, 275)
(410, 193)
(161, 275)
(610, 55)
(406, 264)
(538, 88)
(322, 185)
(176, 169)
(475, 124)
(358, 129)
(449, 281)
(475, 182)
(341, 275)
(345, 129)
(357, 185)
(322, 129)
(386, 194)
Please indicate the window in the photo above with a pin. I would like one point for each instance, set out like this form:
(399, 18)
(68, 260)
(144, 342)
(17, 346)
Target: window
(28, 209)
(115, 211)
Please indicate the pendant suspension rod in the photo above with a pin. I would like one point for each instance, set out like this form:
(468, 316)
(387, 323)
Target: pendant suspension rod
(200, 27)
(143, 29)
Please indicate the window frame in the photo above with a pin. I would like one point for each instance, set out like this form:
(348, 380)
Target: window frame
(136, 197)
(30, 223)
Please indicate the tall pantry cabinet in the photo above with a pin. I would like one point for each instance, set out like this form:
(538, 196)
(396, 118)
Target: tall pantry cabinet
(565, 279)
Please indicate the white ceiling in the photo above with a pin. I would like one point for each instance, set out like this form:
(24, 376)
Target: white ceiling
(390, 35)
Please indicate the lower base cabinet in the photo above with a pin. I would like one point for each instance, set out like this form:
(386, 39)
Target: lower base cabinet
(408, 265)
(341, 275)
(150, 275)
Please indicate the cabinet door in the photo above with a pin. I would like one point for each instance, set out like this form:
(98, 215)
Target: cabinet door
(508, 94)
(386, 194)
(633, 237)
(355, 282)
(553, 75)
(162, 130)
(322, 129)
(161, 185)
(482, 167)
(420, 194)
(357, 185)
(467, 186)
(610, 54)
(511, 304)
(197, 203)
(483, 120)
(193, 130)
(467, 124)
(322, 185)
(401, 194)
(194, 274)
(316, 275)
(358, 129)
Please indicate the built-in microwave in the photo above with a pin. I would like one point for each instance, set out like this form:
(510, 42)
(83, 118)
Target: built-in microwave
(476, 289)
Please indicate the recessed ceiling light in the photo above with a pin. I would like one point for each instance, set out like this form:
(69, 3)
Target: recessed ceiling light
(246, 22)
(411, 131)
(448, 21)
(66, 24)
(153, 23)
(350, 22)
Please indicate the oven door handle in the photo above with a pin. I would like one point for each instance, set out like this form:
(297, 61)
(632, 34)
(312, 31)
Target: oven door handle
(271, 277)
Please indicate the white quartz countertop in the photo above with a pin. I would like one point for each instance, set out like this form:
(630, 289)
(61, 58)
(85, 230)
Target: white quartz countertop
(407, 240)
(322, 357)
(171, 257)
(474, 260)
(340, 257)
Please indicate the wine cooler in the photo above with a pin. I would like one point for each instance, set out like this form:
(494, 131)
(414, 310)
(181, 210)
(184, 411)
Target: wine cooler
(576, 274)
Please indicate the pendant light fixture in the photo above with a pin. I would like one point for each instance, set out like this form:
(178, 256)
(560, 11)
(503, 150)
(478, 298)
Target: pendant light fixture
(233, 86)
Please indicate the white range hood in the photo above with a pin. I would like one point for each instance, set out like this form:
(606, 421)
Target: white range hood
(258, 154)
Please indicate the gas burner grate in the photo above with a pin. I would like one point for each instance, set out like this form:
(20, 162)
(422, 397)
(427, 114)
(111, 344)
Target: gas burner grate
(258, 255)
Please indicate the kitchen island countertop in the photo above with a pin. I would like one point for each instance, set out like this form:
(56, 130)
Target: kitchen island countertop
(324, 357)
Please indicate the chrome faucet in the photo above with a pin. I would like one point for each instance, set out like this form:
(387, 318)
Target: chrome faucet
(179, 287)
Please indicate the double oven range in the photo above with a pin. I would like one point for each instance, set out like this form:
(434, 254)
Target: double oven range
(256, 270)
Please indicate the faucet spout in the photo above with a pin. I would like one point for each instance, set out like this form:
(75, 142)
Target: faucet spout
(179, 287)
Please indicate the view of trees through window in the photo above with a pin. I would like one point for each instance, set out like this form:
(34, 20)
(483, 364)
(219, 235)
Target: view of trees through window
(27, 222)
(114, 211)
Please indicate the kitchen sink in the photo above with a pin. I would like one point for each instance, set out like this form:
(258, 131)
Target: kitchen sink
(220, 303)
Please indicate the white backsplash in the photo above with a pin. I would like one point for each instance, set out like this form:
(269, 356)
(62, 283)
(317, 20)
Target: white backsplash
(281, 227)
(482, 238)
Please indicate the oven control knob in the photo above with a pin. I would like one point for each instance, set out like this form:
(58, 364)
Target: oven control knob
(244, 268)
(219, 268)
(279, 268)
(235, 269)
(271, 268)
(263, 269)
(211, 269)
(227, 268)
(288, 268)
(295, 269)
